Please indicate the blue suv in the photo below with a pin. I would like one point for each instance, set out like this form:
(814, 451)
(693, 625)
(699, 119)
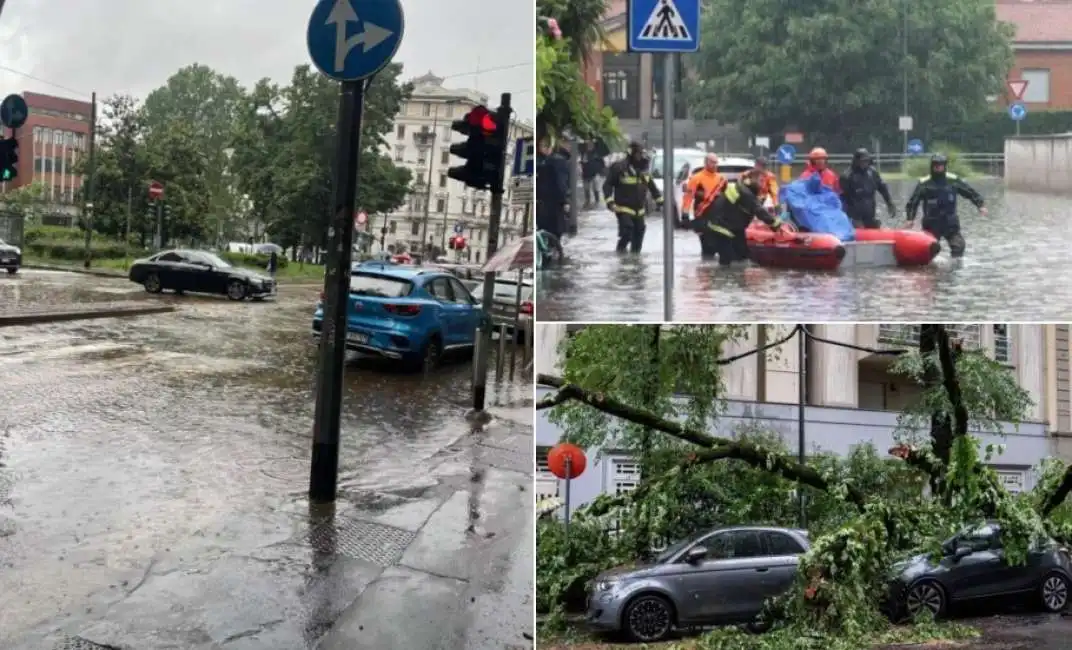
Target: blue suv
(408, 313)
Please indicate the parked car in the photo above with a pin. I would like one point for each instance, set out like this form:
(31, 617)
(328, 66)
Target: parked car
(722, 576)
(410, 314)
(504, 307)
(973, 567)
(199, 272)
(10, 257)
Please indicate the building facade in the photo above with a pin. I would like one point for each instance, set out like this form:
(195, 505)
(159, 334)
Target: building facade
(851, 396)
(439, 205)
(51, 144)
(1043, 50)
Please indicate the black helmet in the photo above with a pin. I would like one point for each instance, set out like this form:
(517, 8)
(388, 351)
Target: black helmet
(761, 162)
(938, 163)
(861, 154)
(635, 148)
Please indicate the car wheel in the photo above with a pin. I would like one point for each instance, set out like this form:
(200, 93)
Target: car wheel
(13, 271)
(1053, 592)
(236, 290)
(152, 283)
(923, 597)
(760, 625)
(649, 619)
(433, 353)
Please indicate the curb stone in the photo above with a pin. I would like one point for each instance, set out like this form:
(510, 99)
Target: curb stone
(37, 317)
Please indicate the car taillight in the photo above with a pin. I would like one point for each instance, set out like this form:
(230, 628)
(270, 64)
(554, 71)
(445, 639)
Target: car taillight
(526, 307)
(403, 310)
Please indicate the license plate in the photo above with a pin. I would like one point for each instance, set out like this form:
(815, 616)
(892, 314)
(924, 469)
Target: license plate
(357, 337)
(6, 260)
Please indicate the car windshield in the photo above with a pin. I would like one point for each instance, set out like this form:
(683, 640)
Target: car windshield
(3, 243)
(381, 286)
(214, 260)
(676, 547)
(505, 290)
(693, 158)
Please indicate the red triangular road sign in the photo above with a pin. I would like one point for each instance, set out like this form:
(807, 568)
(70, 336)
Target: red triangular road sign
(1017, 89)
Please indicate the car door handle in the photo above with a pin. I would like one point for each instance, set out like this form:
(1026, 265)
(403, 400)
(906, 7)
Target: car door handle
(762, 569)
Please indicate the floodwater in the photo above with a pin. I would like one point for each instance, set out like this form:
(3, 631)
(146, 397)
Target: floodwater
(1016, 260)
(153, 474)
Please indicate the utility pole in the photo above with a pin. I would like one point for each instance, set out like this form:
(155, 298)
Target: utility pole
(91, 180)
(502, 122)
(904, 74)
(802, 386)
(429, 139)
(446, 215)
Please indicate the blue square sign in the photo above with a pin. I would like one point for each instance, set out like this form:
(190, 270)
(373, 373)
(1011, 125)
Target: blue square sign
(664, 25)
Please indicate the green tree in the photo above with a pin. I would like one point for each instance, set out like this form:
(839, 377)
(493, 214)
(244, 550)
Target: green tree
(834, 69)
(121, 168)
(564, 102)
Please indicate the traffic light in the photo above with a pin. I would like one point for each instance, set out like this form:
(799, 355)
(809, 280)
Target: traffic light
(483, 150)
(9, 159)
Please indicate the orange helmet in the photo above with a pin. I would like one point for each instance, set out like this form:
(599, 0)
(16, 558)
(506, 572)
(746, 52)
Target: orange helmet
(818, 153)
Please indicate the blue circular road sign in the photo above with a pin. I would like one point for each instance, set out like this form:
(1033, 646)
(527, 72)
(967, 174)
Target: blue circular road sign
(786, 153)
(350, 40)
(13, 111)
(1017, 112)
(915, 147)
(459, 228)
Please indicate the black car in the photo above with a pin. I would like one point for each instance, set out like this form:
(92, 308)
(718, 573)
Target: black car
(10, 257)
(972, 567)
(199, 272)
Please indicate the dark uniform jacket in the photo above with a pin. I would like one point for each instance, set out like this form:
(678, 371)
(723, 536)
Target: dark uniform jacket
(626, 189)
(858, 187)
(733, 210)
(938, 196)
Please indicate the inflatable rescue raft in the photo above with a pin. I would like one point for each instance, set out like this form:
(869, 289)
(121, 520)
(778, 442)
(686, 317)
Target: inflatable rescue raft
(812, 251)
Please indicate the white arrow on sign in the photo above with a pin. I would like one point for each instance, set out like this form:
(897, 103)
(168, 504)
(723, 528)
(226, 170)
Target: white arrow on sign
(342, 13)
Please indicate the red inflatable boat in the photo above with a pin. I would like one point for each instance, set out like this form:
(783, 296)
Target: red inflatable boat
(790, 249)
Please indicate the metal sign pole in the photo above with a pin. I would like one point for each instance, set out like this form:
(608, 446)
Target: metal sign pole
(668, 187)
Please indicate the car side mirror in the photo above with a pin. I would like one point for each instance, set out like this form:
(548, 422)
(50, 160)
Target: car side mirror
(962, 552)
(696, 554)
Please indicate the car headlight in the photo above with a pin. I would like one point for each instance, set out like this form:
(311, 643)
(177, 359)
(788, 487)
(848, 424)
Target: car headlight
(606, 584)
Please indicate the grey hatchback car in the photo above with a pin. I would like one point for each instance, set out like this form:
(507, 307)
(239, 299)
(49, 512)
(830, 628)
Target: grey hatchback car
(722, 576)
(972, 568)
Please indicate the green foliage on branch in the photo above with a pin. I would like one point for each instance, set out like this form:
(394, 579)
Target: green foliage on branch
(856, 542)
(836, 68)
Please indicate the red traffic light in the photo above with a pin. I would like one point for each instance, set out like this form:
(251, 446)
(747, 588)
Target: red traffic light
(481, 118)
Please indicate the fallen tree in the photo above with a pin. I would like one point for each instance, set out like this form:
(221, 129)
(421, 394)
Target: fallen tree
(840, 578)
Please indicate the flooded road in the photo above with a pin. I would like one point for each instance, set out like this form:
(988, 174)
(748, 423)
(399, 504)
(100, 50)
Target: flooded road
(153, 474)
(1014, 257)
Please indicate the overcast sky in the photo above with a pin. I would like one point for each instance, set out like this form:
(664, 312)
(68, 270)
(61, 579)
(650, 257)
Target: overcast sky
(132, 46)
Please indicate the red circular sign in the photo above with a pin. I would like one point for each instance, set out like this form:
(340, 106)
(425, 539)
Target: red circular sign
(361, 218)
(156, 190)
(456, 243)
(556, 460)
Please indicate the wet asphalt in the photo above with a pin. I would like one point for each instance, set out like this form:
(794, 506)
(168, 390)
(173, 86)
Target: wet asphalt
(153, 474)
(1016, 256)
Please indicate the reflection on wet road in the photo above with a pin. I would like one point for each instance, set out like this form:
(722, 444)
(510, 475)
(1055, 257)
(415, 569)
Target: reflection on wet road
(1014, 257)
(153, 475)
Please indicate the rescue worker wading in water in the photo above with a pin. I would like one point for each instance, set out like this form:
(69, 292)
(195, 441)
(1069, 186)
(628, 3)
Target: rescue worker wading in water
(722, 225)
(938, 193)
(626, 193)
(858, 186)
(702, 188)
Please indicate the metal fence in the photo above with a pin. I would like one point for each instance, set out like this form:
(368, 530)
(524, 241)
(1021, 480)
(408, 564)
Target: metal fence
(12, 228)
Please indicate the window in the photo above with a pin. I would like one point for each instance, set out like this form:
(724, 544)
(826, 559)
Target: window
(981, 539)
(462, 295)
(734, 544)
(781, 544)
(441, 206)
(465, 205)
(400, 152)
(441, 290)
(446, 134)
(401, 131)
(37, 133)
(1001, 343)
(444, 157)
(1012, 480)
(442, 180)
(421, 159)
(382, 286)
(426, 109)
(546, 484)
(168, 257)
(438, 231)
(393, 227)
(626, 476)
(1038, 85)
(39, 164)
(449, 112)
(415, 228)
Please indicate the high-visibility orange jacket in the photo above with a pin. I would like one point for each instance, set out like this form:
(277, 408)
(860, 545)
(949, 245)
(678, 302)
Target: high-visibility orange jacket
(712, 184)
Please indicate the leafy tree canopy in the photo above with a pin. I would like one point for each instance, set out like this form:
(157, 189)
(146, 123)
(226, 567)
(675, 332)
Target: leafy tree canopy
(836, 66)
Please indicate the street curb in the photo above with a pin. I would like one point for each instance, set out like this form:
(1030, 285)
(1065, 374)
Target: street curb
(75, 269)
(35, 318)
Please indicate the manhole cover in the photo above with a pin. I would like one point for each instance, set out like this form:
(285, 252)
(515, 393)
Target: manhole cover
(362, 540)
(78, 643)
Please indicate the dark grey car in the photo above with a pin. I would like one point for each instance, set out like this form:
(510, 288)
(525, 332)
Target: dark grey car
(973, 567)
(722, 576)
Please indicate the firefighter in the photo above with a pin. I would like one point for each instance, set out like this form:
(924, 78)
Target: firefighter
(626, 192)
(722, 225)
(938, 193)
(859, 184)
(702, 188)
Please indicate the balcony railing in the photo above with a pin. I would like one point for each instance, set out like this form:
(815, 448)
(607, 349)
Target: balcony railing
(905, 336)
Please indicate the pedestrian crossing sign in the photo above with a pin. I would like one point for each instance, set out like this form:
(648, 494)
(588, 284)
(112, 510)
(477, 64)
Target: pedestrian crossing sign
(664, 25)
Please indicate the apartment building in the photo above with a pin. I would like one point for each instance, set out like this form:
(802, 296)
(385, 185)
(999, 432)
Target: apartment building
(439, 205)
(851, 397)
(1042, 46)
(51, 143)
